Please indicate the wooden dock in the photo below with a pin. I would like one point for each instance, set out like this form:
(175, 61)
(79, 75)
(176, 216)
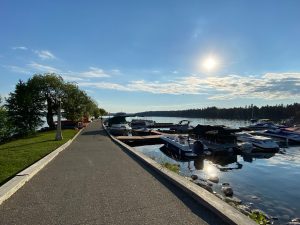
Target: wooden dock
(141, 140)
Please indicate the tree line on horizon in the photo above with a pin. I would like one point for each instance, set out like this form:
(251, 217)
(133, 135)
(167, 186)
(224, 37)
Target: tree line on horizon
(276, 113)
(25, 108)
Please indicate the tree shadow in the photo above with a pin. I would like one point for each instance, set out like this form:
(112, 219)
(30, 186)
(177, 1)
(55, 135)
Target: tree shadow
(22, 145)
(94, 132)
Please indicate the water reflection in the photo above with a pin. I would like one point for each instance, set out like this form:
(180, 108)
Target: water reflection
(253, 156)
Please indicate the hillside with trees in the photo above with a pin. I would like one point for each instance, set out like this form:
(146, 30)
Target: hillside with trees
(276, 113)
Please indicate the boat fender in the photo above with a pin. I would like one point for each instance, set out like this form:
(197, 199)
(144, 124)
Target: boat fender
(198, 147)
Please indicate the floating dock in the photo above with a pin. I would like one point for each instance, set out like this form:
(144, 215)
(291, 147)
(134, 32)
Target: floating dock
(140, 140)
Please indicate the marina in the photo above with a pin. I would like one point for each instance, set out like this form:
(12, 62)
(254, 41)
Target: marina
(255, 176)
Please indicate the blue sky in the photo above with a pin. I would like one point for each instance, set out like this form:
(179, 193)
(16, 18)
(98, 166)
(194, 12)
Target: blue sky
(150, 55)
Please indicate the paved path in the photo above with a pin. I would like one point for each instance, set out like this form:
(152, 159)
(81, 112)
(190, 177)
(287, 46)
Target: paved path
(95, 182)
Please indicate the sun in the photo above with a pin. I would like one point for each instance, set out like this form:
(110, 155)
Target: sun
(210, 63)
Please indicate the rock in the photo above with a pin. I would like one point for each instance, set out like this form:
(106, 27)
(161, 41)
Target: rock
(214, 179)
(225, 184)
(204, 185)
(194, 177)
(235, 200)
(227, 190)
(244, 209)
(220, 196)
(295, 221)
(254, 197)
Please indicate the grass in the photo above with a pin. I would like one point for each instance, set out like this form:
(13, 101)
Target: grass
(172, 167)
(18, 154)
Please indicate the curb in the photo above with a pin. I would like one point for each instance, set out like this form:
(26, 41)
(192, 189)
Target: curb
(225, 211)
(11, 186)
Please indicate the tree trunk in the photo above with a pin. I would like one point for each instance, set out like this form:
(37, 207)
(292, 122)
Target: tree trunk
(50, 120)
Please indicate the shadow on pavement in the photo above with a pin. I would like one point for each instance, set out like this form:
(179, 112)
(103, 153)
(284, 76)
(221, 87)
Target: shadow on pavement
(198, 209)
(96, 132)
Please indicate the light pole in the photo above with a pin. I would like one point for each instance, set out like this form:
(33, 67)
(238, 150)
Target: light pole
(59, 136)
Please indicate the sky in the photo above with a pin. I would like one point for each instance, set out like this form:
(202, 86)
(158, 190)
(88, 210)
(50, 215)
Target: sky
(140, 55)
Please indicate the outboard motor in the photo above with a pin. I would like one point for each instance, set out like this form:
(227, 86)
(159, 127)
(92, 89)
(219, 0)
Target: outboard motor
(198, 148)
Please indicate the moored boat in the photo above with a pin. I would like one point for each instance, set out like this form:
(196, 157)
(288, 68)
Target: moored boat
(259, 143)
(182, 127)
(120, 129)
(282, 134)
(184, 146)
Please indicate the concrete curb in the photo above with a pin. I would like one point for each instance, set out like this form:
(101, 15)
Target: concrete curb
(11, 186)
(216, 205)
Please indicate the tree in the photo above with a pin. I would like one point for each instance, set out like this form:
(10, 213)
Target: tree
(102, 112)
(73, 102)
(6, 130)
(24, 108)
(50, 87)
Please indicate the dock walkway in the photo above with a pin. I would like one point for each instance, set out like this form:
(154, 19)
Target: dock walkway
(95, 182)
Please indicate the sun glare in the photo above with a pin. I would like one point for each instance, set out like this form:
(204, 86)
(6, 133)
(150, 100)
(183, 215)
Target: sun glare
(210, 63)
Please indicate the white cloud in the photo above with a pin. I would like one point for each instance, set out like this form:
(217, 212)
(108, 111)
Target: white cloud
(269, 86)
(44, 54)
(71, 78)
(93, 72)
(17, 69)
(116, 71)
(43, 68)
(105, 85)
(20, 48)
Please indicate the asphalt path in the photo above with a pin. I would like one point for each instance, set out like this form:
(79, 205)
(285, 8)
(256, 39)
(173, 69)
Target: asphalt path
(94, 181)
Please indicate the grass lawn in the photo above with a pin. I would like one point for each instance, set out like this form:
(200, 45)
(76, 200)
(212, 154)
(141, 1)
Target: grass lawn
(18, 154)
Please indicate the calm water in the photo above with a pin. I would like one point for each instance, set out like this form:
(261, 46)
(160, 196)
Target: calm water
(268, 181)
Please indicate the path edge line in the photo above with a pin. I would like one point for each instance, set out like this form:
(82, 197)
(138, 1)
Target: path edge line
(14, 184)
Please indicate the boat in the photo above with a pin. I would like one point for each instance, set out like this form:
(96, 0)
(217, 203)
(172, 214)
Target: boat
(117, 125)
(263, 124)
(282, 134)
(184, 146)
(140, 123)
(182, 127)
(216, 134)
(119, 129)
(144, 131)
(259, 143)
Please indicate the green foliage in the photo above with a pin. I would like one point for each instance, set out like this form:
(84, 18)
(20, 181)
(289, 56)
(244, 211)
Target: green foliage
(102, 112)
(40, 96)
(259, 218)
(76, 103)
(24, 108)
(6, 128)
(172, 167)
(50, 89)
(18, 154)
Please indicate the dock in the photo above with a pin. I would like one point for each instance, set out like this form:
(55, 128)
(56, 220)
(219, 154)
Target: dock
(141, 140)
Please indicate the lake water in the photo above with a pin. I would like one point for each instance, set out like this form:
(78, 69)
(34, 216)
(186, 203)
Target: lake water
(269, 182)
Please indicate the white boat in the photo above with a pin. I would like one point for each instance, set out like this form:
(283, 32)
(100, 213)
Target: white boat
(140, 123)
(182, 127)
(184, 146)
(283, 134)
(259, 142)
(120, 129)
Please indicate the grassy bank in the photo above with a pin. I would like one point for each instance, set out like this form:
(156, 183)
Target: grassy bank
(18, 154)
